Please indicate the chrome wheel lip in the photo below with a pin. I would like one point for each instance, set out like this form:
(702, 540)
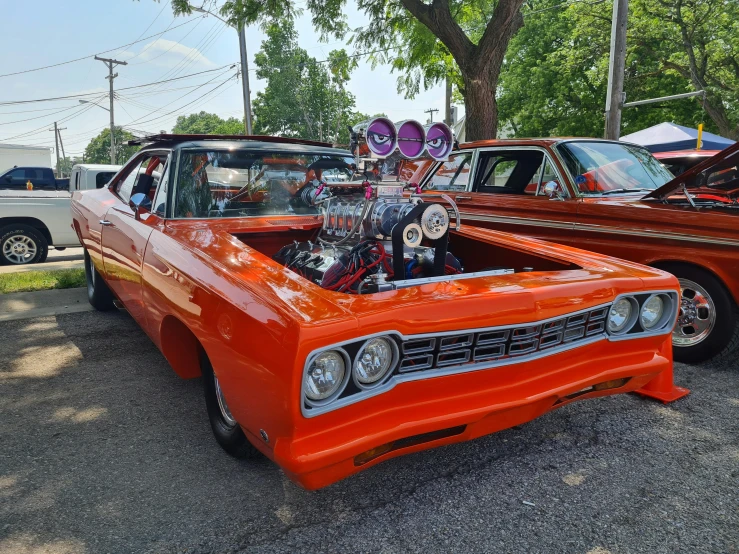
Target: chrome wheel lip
(691, 306)
(19, 249)
(222, 406)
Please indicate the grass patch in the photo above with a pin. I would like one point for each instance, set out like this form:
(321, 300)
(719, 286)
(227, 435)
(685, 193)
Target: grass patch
(42, 280)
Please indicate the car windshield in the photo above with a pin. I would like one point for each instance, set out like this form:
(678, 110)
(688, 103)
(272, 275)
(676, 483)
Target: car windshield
(600, 168)
(246, 183)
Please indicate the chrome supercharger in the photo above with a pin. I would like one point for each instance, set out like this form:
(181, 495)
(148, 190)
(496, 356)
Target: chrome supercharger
(379, 234)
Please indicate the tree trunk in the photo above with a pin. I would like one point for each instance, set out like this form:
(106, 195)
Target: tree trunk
(481, 108)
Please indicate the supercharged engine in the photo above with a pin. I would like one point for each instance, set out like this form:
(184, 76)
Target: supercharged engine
(374, 239)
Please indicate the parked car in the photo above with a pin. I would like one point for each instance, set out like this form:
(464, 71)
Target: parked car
(31, 178)
(679, 161)
(327, 353)
(590, 194)
(33, 220)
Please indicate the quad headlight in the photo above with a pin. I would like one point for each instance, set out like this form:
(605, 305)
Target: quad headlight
(620, 316)
(652, 312)
(325, 375)
(374, 360)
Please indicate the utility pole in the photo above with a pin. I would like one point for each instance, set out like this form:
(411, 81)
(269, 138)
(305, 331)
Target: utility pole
(56, 141)
(431, 112)
(616, 68)
(448, 114)
(245, 79)
(111, 64)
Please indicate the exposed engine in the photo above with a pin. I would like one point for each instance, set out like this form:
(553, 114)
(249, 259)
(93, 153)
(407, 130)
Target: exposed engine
(362, 232)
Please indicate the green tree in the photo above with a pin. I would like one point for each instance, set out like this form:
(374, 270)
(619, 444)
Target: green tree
(555, 74)
(98, 150)
(427, 41)
(205, 123)
(303, 97)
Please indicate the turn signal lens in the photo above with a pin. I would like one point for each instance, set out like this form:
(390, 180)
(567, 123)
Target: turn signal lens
(325, 375)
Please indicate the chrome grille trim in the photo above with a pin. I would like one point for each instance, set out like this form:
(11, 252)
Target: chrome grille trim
(464, 347)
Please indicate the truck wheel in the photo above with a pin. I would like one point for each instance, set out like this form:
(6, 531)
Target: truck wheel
(22, 244)
(226, 429)
(707, 319)
(98, 292)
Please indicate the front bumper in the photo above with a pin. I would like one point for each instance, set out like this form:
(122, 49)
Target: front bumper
(443, 410)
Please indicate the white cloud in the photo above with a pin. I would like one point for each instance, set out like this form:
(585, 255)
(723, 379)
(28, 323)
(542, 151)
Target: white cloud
(169, 53)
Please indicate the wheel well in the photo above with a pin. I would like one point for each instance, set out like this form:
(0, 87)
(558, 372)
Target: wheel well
(181, 347)
(664, 264)
(31, 222)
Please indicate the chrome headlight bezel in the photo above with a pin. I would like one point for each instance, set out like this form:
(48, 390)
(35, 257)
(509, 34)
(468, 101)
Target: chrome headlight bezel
(345, 379)
(635, 328)
(388, 372)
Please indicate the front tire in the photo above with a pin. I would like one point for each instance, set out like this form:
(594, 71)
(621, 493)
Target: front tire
(21, 245)
(225, 428)
(98, 293)
(707, 318)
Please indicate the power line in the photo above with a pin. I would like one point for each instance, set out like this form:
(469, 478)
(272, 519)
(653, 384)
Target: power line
(98, 53)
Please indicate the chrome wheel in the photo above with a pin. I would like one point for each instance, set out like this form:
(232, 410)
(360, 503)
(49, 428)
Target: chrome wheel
(697, 315)
(19, 249)
(225, 412)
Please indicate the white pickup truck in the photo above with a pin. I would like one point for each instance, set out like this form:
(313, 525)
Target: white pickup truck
(31, 221)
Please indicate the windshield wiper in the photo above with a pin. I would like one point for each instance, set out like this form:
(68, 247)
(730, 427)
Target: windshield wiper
(613, 191)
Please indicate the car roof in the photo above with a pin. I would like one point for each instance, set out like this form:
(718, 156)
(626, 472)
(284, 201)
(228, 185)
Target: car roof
(544, 141)
(251, 144)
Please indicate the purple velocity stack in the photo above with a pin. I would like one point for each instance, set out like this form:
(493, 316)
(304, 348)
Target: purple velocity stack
(411, 138)
(438, 141)
(381, 137)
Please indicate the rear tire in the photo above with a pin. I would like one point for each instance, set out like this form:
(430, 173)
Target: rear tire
(21, 245)
(707, 320)
(98, 292)
(225, 428)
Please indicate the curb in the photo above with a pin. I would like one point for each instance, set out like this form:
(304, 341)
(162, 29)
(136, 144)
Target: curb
(26, 305)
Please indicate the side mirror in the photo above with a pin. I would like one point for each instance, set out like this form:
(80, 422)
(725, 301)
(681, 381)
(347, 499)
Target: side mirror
(139, 203)
(553, 190)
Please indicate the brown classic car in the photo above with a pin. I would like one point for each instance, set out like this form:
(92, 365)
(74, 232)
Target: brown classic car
(617, 199)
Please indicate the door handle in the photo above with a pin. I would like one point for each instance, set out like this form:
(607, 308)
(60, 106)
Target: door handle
(105, 222)
(462, 198)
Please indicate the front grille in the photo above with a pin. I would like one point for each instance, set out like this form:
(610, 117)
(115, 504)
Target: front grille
(448, 350)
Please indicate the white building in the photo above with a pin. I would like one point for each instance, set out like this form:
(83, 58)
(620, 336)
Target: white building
(18, 154)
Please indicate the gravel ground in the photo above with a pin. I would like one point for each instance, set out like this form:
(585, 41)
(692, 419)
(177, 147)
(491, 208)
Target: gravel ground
(105, 450)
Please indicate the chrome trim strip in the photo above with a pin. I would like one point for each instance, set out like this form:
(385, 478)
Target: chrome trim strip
(597, 228)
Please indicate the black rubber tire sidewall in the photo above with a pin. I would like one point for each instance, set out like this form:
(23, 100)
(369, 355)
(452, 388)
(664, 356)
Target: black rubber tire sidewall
(42, 245)
(726, 319)
(99, 295)
(231, 439)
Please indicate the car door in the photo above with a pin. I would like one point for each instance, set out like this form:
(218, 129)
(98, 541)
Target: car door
(14, 179)
(125, 236)
(504, 189)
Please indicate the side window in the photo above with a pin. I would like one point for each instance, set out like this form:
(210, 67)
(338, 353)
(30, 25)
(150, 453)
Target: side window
(160, 199)
(452, 175)
(101, 179)
(509, 171)
(124, 187)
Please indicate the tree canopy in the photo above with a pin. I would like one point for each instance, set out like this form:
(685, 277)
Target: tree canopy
(555, 74)
(98, 150)
(205, 123)
(303, 97)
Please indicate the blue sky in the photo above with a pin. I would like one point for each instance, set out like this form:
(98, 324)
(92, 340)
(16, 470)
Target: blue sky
(49, 32)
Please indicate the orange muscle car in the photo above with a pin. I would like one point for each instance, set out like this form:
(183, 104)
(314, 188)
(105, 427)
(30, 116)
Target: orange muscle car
(616, 199)
(338, 322)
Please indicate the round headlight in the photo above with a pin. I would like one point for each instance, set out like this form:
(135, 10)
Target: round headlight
(620, 315)
(325, 375)
(374, 360)
(651, 312)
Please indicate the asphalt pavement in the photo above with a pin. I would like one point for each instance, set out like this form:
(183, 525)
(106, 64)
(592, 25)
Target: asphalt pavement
(105, 450)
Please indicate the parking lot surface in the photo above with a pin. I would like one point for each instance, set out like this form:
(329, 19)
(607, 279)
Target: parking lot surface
(104, 450)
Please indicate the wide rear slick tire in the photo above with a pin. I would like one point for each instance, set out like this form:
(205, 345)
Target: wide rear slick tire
(98, 293)
(707, 319)
(226, 430)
